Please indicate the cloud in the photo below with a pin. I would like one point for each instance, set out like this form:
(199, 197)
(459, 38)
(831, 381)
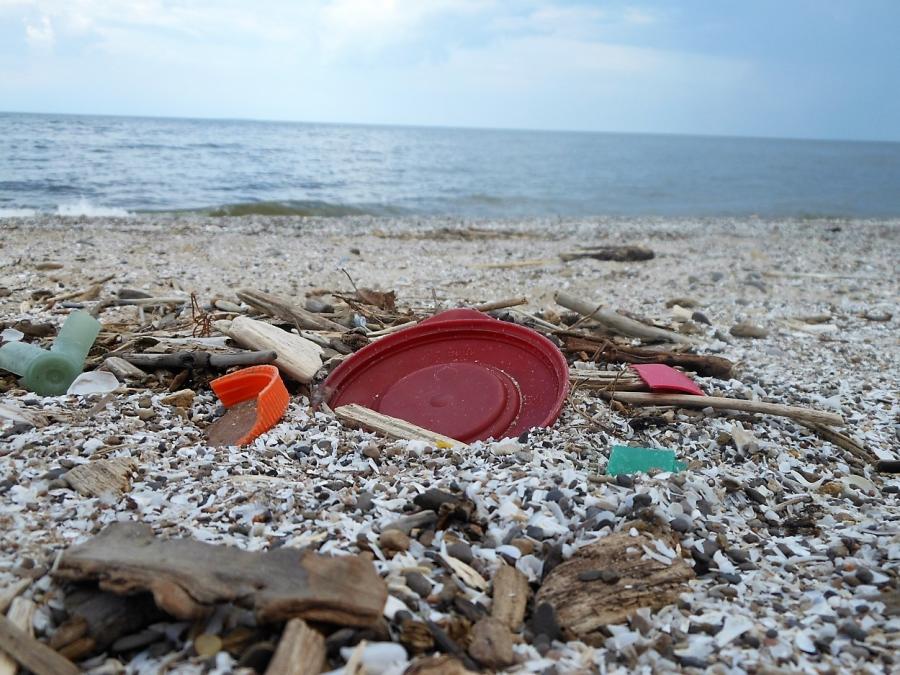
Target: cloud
(40, 35)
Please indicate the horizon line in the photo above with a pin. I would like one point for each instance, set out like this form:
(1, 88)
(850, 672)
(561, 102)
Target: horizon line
(455, 127)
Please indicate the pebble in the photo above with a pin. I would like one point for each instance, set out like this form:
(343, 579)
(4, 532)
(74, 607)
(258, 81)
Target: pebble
(418, 584)
(748, 330)
(864, 574)
(394, 540)
(544, 622)
(680, 524)
(461, 551)
(853, 630)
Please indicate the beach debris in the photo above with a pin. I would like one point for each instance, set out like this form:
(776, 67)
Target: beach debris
(123, 370)
(437, 665)
(201, 359)
(11, 335)
(748, 330)
(603, 349)
(392, 427)
(501, 304)
(459, 374)
(619, 323)
(298, 358)
(887, 466)
(97, 620)
(21, 614)
(510, 596)
(630, 459)
(282, 308)
(584, 608)
(492, 644)
(50, 372)
(32, 654)
(93, 382)
(614, 253)
(374, 658)
(187, 577)
(101, 476)
(182, 398)
(255, 399)
(722, 403)
(301, 651)
(20, 417)
(662, 378)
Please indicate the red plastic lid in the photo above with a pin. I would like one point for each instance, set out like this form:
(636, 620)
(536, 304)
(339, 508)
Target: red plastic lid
(461, 374)
(662, 378)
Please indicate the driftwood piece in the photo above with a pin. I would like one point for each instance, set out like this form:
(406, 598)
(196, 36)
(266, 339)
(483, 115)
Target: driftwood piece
(720, 403)
(501, 304)
(492, 644)
(35, 656)
(284, 309)
(21, 416)
(510, 597)
(123, 370)
(188, 577)
(583, 607)
(201, 359)
(604, 350)
(148, 302)
(301, 651)
(298, 358)
(392, 427)
(21, 613)
(101, 476)
(11, 592)
(619, 323)
(614, 253)
(842, 441)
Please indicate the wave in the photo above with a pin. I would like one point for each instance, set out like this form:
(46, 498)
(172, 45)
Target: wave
(82, 207)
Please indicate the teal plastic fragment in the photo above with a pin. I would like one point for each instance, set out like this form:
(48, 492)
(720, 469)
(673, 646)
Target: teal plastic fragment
(626, 459)
(50, 372)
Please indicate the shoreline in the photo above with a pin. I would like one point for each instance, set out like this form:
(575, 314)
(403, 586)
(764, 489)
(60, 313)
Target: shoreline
(796, 567)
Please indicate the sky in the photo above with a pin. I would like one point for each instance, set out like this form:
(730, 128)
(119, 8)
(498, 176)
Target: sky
(786, 68)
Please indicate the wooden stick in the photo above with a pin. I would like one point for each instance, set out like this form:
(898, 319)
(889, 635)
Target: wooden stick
(283, 308)
(619, 323)
(514, 264)
(510, 596)
(604, 350)
(391, 426)
(200, 359)
(11, 592)
(35, 656)
(501, 304)
(842, 441)
(719, 403)
(301, 651)
(613, 380)
(615, 253)
(144, 302)
(124, 370)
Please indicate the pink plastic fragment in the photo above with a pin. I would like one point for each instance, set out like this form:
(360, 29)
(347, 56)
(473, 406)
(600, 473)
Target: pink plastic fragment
(661, 378)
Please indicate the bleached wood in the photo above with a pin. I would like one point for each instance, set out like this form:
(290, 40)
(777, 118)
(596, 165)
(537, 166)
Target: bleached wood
(718, 403)
(298, 358)
(391, 426)
(510, 596)
(35, 656)
(21, 613)
(283, 308)
(619, 323)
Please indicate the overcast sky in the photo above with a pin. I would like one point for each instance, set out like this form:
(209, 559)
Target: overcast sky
(794, 68)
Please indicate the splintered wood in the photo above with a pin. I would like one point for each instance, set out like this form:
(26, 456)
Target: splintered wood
(301, 651)
(101, 476)
(638, 580)
(510, 597)
(188, 577)
(392, 427)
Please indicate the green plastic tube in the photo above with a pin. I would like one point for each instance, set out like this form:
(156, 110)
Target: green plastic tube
(49, 373)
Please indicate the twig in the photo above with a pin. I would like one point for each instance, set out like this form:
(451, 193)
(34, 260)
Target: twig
(501, 304)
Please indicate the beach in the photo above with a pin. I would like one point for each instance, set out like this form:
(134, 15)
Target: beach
(792, 541)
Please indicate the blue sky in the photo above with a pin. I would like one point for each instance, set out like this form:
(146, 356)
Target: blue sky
(793, 68)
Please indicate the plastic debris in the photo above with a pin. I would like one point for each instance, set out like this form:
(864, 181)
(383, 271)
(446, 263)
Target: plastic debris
(626, 459)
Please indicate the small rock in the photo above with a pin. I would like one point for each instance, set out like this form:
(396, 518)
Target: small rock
(179, 399)
(865, 576)
(748, 330)
(207, 645)
(433, 499)
(461, 551)
(364, 501)
(394, 540)
(680, 524)
(419, 584)
(372, 452)
(853, 630)
(318, 306)
(700, 317)
(544, 622)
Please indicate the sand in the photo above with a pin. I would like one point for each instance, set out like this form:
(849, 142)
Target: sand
(796, 544)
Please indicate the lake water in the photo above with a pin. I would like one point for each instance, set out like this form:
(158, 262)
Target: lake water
(112, 165)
